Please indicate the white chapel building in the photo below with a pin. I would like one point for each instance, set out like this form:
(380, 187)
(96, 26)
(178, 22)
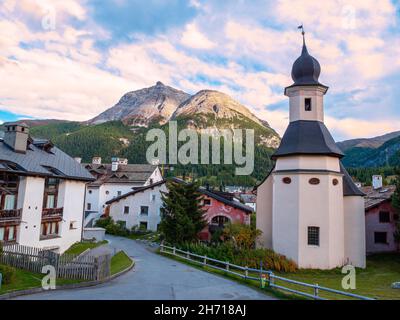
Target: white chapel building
(308, 207)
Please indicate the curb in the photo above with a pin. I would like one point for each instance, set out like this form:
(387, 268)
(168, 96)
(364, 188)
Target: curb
(66, 286)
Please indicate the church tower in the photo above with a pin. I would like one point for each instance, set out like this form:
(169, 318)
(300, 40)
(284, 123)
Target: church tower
(301, 205)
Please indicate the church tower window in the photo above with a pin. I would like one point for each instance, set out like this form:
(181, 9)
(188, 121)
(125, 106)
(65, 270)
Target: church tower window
(313, 236)
(307, 104)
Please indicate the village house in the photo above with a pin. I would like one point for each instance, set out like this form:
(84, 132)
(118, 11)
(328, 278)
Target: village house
(42, 192)
(222, 208)
(308, 207)
(138, 208)
(112, 181)
(380, 217)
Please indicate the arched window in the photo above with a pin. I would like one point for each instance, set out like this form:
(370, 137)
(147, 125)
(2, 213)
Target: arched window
(220, 220)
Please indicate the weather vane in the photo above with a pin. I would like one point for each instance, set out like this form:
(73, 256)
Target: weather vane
(302, 31)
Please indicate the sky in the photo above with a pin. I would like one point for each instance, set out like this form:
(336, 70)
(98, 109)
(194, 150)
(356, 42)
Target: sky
(72, 59)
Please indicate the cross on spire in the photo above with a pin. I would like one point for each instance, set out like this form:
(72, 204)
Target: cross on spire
(302, 32)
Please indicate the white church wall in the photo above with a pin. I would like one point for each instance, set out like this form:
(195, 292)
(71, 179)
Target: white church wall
(296, 103)
(264, 212)
(285, 229)
(308, 163)
(354, 224)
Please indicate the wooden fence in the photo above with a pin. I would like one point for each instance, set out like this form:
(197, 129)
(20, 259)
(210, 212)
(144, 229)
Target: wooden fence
(67, 266)
(264, 276)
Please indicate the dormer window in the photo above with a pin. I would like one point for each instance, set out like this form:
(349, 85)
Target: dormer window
(307, 104)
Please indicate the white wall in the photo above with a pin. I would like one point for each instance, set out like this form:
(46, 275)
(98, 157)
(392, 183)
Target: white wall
(264, 212)
(30, 199)
(307, 162)
(134, 202)
(296, 103)
(354, 222)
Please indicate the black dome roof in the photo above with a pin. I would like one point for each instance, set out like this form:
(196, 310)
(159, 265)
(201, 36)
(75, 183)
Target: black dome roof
(306, 69)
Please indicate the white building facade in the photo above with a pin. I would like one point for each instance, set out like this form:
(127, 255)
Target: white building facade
(42, 192)
(308, 207)
(112, 181)
(140, 208)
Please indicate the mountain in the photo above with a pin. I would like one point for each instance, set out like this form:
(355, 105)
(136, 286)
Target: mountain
(387, 154)
(141, 107)
(213, 109)
(121, 130)
(372, 143)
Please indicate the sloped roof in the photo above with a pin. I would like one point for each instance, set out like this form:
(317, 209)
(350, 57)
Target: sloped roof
(374, 197)
(38, 161)
(308, 138)
(349, 187)
(232, 203)
(135, 191)
(126, 173)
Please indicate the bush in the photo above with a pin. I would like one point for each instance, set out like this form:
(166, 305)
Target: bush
(243, 257)
(104, 222)
(9, 274)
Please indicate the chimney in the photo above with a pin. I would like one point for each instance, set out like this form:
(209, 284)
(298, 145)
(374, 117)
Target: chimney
(377, 181)
(114, 163)
(16, 136)
(78, 159)
(96, 160)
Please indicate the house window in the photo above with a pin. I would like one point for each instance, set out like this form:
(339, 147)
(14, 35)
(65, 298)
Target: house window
(313, 236)
(380, 237)
(90, 191)
(384, 216)
(287, 180)
(72, 225)
(207, 202)
(8, 191)
(89, 206)
(107, 192)
(151, 181)
(143, 225)
(153, 197)
(307, 104)
(119, 193)
(144, 210)
(126, 210)
(50, 193)
(8, 233)
(314, 181)
(49, 229)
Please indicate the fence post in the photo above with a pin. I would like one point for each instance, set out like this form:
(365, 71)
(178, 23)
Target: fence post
(227, 266)
(246, 272)
(205, 260)
(271, 279)
(161, 248)
(174, 251)
(187, 255)
(316, 290)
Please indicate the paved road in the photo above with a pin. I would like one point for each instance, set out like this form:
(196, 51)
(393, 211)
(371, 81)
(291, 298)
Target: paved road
(159, 278)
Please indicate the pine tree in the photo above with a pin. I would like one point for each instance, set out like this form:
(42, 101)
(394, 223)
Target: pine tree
(182, 213)
(396, 206)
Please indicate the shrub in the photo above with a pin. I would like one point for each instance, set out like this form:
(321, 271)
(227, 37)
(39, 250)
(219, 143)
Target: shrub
(9, 274)
(104, 222)
(251, 258)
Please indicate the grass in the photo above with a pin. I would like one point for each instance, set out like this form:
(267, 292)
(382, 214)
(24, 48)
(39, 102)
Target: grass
(28, 280)
(79, 247)
(120, 262)
(374, 281)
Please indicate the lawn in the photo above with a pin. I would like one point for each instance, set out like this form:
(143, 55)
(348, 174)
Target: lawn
(27, 280)
(374, 281)
(79, 247)
(120, 262)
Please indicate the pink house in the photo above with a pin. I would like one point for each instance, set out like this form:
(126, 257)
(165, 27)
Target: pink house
(222, 208)
(380, 219)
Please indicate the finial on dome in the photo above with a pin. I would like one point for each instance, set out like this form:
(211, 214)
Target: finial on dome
(304, 50)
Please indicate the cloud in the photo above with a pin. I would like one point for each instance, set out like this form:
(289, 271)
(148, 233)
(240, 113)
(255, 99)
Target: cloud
(100, 50)
(193, 38)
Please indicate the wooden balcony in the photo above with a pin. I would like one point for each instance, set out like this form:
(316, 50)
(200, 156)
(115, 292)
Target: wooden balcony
(52, 214)
(10, 216)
